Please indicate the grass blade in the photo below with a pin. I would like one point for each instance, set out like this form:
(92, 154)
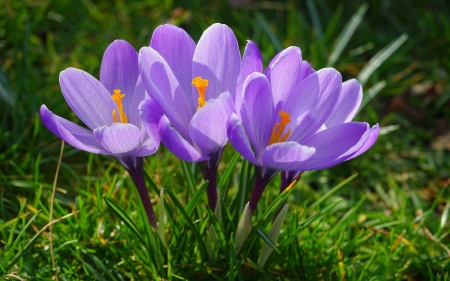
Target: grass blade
(219, 233)
(347, 34)
(315, 18)
(331, 192)
(89, 267)
(193, 203)
(125, 218)
(268, 30)
(228, 171)
(371, 93)
(379, 58)
(267, 240)
(188, 175)
(33, 240)
(191, 225)
(14, 245)
(265, 219)
(283, 244)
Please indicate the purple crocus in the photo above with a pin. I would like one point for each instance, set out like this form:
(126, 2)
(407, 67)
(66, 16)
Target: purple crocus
(195, 86)
(344, 111)
(286, 118)
(109, 108)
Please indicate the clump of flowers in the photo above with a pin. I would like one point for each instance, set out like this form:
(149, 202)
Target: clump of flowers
(193, 98)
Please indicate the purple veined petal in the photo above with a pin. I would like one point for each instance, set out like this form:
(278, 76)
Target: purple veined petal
(71, 133)
(306, 70)
(312, 102)
(139, 96)
(258, 112)
(283, 156)
(208, 126)
(333, 145)
(119, 138)
(163, 87)
(283, 73)
(174, 142)
(177, 48)
(238, 139)
(120, 70)
(148, 147)
(347, 104)
(372, 136)
(151, 114)
(87, 97)
(217, 59)
(322, 128)
(251, 62)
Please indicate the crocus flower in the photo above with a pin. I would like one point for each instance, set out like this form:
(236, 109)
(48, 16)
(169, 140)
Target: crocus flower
(195, 86)
(109, 108)
(284, 112)
(344, 111)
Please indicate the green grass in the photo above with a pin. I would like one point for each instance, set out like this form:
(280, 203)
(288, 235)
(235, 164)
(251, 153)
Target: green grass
(391, 222)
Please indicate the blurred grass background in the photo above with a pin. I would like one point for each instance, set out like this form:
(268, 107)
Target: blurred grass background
(403, 179)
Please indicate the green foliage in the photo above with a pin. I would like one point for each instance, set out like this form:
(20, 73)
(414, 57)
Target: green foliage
(391, 222)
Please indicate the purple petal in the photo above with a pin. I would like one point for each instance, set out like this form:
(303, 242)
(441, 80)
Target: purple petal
(258, 112)
(372, 136)
(119, 138)
(162, 86)
(177, 48)
(283, 73)
(333, 145)
(87, 97)
(71, 133)
(251, 62)
(306, 70)
(139, 95)
(239, 140)
(174, 142)
(148, 147)
(217, 59)
(347, 104)
(312, 102)
(209, 125)
(284, 155)
(120, 70)
(151, 114)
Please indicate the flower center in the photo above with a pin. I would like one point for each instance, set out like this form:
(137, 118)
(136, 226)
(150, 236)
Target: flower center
(201, 85)
(278, 129)
(117, 97)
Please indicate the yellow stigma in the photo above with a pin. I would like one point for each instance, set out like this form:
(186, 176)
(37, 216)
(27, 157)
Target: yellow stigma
(278, 129)
(201, 85)
(117, 97)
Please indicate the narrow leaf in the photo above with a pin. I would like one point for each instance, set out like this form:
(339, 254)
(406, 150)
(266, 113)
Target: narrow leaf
(218, 231)
(228, 171)
(283, 244)
(315, 18)
(195, 200)
(14, 245)
(371, 93)
(268, 30)
(267, 240)
(347, 34)
(191, 225)
(124, 218)
(331, 192)
(379, 58)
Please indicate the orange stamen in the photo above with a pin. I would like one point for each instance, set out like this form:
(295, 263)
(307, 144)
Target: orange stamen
(278, 129)
(201, 85)
(117, 97)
